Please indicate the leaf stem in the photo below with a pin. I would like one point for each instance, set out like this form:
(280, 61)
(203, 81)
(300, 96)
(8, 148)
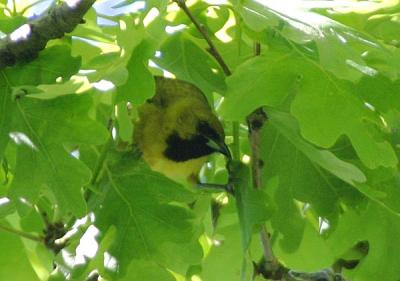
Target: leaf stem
(14, 11)
(101, 160)
(99, 166)
(21, 233)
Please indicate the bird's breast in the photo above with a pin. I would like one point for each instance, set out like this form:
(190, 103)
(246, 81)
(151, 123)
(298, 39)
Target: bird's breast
(183, 172)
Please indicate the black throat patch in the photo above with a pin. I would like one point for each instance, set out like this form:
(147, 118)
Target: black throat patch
(180, 150)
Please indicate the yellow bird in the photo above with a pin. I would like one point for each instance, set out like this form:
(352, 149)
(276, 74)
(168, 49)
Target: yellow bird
(177, 130)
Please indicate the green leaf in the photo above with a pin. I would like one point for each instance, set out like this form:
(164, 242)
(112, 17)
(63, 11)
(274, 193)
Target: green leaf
(52, 63)
(112, 65)
(15, 264)
(300, 20)
(8, 25)
(383, 253)
(224, 261)
(145, 270)
(140, 84)
(383, 187)
(187, 61)
(312, 254)
(61, 120)
(380, 92)
(53, 172)
(41, 128)
(51, 91)
(315, 92)
(384, 26)
(347, 63)
(272, 85)
(295, 172)
(125, 124)
(138, 203)
(299, 244)
(318, 186)
(322, 123)
(296, 167)
(287, 127)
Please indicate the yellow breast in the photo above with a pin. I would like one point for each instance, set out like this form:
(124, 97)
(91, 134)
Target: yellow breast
(182, 172)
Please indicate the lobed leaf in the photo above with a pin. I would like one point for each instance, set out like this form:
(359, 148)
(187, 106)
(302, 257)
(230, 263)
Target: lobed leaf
(138, 202)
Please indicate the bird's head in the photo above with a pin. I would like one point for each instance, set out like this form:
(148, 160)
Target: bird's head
(193, 131)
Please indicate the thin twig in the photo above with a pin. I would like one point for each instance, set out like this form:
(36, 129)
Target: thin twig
(21, 233)
(213, 50)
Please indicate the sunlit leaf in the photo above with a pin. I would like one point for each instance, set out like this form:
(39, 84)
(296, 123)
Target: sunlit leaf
(189, 62)
(136, 202)
(320, 122)
(41, 129)
(382, 252)
(40, 71)
(330, 36)
(140, 84)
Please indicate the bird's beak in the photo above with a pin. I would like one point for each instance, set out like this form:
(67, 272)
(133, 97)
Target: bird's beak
(225, 151)
(219, 147)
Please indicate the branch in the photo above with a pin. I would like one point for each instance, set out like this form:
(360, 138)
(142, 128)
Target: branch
(213, 50)
(58, 20)
(255, 123)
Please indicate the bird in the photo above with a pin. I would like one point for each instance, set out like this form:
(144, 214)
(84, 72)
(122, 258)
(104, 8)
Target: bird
(177, 130)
